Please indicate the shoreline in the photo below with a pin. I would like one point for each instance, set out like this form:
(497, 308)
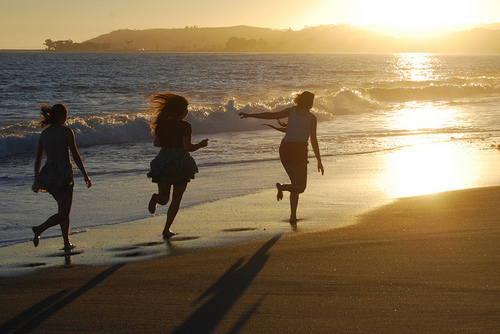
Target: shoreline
(353, 186)
(419, 264)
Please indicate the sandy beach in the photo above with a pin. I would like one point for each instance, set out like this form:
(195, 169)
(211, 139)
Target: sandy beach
(418, 264)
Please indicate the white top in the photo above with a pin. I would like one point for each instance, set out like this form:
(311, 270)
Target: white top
(298, 129)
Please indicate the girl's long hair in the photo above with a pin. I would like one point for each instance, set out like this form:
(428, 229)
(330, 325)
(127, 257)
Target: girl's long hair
(52, 115)
(167, 107)
(304, 100)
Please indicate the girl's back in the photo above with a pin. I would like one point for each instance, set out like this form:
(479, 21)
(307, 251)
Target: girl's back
(299, 127)
(54, 144)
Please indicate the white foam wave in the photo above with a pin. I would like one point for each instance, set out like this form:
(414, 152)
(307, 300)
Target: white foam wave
(133, 127)
(346, 102)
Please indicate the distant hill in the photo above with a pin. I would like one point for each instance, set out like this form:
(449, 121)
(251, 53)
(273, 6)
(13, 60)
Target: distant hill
(325, 38)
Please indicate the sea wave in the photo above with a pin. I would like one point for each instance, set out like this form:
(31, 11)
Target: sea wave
(129, 127)
(431, 91)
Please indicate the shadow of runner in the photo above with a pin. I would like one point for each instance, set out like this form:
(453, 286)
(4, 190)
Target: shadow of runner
(226, 291)
(30, 319)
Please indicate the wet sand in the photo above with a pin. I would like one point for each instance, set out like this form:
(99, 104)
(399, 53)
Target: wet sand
(426, 264)
(385, 264)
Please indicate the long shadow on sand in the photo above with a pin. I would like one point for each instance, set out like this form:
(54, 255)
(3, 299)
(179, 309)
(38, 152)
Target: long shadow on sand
(225, 292)
(30, 319)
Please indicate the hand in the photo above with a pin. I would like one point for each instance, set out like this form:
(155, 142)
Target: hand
(36, 186)
(88, 181)
(320, 168)
(204, 143)
(243, 115)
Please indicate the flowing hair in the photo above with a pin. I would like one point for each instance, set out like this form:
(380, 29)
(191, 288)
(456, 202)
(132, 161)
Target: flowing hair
(52, 115)
(167, 107)
(304, 100)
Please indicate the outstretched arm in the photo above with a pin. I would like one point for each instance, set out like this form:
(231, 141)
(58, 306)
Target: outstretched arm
(268, 115)
(314, 144)
(70, 139)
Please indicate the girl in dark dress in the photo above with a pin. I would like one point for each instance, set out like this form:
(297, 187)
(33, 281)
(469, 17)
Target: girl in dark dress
(173, 167)
(56, 176)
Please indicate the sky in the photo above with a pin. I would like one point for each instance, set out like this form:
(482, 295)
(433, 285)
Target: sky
(26, 24)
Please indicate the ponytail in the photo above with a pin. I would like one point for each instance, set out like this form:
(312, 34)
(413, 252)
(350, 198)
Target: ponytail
(52, 115)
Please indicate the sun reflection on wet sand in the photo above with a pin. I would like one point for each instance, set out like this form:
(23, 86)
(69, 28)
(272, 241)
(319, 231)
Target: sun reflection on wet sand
(426, 169)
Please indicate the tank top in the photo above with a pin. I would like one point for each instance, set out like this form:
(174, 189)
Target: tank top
(298, 129)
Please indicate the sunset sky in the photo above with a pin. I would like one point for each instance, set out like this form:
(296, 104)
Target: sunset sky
(25, 24)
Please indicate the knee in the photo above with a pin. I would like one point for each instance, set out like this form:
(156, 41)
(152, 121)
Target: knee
(299, 190)
(63, 217)
(162, 200)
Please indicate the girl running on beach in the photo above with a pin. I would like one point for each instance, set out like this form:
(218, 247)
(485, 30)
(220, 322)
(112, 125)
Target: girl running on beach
(173, 166)
(56, 176)
(293, 149)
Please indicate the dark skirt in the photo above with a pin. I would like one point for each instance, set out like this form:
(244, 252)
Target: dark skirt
(53, 177)
(172, 165)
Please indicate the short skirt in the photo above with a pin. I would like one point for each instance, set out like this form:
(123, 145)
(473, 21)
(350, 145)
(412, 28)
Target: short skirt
(172, 165)
(53, 177)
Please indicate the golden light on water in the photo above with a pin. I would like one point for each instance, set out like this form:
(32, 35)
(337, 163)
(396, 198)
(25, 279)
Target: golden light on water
(414, 67)
(418, 117)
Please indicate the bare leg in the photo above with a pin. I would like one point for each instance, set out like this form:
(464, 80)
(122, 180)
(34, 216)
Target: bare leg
(298, 177)
(279, 196)
(64, 200)
(175, 204)
(294, 203)
(161, 198)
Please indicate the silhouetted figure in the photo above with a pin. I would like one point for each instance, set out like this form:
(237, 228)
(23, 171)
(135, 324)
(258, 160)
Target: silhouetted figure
(173, 166)
(56, 176)
(293, 149)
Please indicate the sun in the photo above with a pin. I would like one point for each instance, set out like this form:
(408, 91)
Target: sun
(408, 16)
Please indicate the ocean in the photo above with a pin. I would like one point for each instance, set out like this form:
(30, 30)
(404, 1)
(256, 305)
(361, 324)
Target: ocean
(365, 104)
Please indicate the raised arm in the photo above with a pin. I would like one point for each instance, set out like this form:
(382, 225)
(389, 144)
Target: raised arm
(70, 139)
(268, 115)
(314, 144)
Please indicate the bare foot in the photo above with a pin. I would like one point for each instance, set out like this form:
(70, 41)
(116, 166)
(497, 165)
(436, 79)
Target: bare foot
(279, 196)
(168, 234)
(152, 204)
(68, 248)
(293, 221)
(36, 238)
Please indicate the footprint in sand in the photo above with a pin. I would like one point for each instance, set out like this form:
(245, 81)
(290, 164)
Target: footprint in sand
(239, 229)
(133, 254)
(124, 249)
(182, 238)
(66, 254)
(33, 265)
(148, 244)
